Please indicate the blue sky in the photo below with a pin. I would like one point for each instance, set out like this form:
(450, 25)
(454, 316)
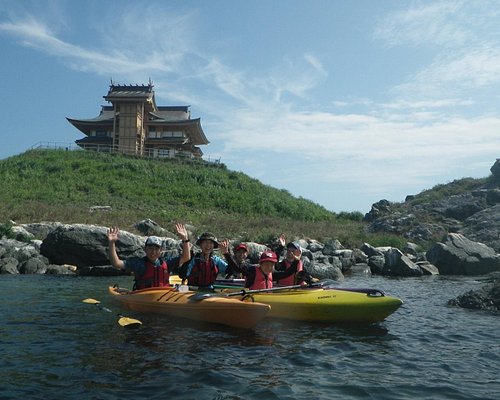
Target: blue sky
(341, 102)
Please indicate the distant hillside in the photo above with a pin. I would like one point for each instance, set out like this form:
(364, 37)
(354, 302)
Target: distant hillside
(59, 185)
(468, 206)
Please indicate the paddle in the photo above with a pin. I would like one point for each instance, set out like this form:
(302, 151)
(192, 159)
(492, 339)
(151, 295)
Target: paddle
(122, 321)
(243, 292)
(320, 284)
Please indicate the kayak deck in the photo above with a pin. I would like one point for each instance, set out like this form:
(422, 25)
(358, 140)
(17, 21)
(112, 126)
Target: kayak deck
(168, 301)
(328, 305)
(318, 304)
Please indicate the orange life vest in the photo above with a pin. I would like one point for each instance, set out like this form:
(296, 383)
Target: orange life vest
(261, 280)
(289, 280)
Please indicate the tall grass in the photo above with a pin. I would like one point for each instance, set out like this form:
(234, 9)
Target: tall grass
(60, 185)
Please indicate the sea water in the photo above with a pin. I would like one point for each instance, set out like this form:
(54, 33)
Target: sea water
(54, 346)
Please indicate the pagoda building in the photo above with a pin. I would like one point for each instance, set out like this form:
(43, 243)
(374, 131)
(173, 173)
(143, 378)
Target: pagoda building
(134, 124)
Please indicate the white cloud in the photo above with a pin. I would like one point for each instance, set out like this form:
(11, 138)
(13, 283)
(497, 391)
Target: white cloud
(436, 23)
(461, 41)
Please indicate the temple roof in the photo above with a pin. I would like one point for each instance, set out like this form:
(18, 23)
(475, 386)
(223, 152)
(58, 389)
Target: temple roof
(104, 116)
(192, 127)
(126, 93)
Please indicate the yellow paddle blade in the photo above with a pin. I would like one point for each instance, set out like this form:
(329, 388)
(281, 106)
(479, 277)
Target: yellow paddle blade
(129, 322)
(91, 301)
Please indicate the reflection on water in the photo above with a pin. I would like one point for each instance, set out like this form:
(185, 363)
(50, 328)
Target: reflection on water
(54, 346)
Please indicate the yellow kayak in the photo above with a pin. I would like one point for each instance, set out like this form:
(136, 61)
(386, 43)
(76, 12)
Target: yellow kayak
(327, 305)
(321, 304)
(229, 311)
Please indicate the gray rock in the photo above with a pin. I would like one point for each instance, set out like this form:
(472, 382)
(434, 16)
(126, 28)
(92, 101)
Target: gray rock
(427, 268)
(486, 298)
(411, 249)
(149, 227)
(40, 230)
(359, 256)
(326, 271)
(460, 256)
(360, 269)
(8, 265)
(493, 197)
(379, 209)
(331, 247)
(25, 252)
(60, 270)
(376, 264)
(398, 264)
(21, 234)
(87, 245)
(484, 227)
(34, 265)
(314, 246)
(495, 169)
(461, 206)
(370, 251)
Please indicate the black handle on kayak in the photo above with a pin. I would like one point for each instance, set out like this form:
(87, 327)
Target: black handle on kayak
(369, 292)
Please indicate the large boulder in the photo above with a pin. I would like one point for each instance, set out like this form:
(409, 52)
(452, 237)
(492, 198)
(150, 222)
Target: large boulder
(40, 230)
(495, 169)
(325, 271)
(17, 256)
(486, 298)
(484, 227)
(390, 261)
(87, 245)
(8, 265)
(148, 227)
(461, 256)
(35, 265)
(399, 264)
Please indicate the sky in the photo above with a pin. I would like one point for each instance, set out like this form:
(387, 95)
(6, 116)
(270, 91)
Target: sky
(343, 103)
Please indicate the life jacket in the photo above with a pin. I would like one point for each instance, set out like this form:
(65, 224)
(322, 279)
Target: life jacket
(290, 280)
(153, 276)
(202, 273)
(261, 280)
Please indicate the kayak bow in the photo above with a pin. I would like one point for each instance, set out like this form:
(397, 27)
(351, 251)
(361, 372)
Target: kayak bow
(167, 301)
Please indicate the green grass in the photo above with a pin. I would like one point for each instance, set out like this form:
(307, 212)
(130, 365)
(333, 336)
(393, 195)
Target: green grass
(60, 185)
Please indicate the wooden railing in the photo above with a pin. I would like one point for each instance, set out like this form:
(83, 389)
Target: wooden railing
(106, 148)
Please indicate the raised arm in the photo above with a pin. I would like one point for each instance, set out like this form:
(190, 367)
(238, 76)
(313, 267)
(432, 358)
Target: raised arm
(186, 246)
(113, 234)
(281, 245)
(232, 267)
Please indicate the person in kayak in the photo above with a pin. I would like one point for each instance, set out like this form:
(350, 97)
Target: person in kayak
(151, 270)
(290, 270)
(256, 276)
(240, 254)
(202, 268)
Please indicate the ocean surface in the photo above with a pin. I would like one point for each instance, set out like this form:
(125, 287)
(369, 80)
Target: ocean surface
(54, 346)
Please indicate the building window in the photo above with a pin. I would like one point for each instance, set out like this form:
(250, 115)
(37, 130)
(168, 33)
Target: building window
(100, 133)
(163, 153)
(170, 134)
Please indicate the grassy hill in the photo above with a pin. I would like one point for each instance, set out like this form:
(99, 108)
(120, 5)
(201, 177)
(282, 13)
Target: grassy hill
(60, 185)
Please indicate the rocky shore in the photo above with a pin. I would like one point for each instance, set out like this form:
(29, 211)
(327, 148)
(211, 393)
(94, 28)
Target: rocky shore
(55, 248)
